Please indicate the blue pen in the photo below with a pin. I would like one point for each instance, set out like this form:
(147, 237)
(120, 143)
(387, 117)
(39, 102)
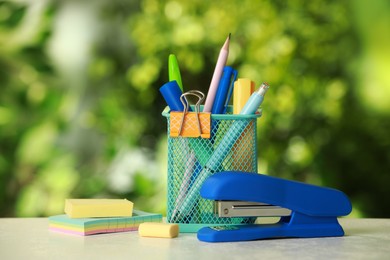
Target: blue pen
(223, 149)
(224, 91)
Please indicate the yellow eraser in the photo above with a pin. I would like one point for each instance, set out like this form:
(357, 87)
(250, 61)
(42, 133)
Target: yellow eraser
(243, 89)
(164, 230)
(91, 208)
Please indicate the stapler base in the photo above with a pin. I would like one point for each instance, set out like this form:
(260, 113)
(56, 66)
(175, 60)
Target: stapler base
(297, 225)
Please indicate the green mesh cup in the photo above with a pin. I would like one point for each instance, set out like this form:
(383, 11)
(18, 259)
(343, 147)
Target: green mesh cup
(187, 158)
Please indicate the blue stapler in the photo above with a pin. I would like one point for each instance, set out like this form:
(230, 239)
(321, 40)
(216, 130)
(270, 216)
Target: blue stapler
(305, 210)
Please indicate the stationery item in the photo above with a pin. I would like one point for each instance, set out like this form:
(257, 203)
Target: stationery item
(243, 89)
(221, 62)
(305, 210)
(222, 149)
(180, 180)
(190, 124)
(172, 93)
(174, 71)
(201, 128)
(89, 208)
(90, 226)
(224, 92)
(255, 100)
(163, 230)
(200, 150)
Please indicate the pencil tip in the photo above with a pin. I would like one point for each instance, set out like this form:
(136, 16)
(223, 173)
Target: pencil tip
(229, 36)
(226, 44)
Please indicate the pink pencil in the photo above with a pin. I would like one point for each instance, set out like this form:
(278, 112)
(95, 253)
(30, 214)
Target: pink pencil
(222, 58)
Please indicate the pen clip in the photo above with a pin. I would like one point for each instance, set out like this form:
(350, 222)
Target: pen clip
(184, 101)
(230, 91)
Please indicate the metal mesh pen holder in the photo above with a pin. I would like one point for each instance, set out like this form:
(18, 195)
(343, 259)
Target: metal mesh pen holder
(232, 146)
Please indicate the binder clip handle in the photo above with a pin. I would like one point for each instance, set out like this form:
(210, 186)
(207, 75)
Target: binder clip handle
(184, 101)
(196, 93)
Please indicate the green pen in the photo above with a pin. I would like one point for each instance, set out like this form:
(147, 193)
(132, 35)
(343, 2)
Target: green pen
(174, 71)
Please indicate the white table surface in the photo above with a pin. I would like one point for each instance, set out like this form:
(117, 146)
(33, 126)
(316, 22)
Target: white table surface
(29, 238)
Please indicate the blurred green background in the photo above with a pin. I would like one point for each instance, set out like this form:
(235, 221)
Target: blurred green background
(80, 111)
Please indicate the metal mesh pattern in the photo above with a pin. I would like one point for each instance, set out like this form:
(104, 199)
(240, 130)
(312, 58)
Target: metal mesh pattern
(232, 147)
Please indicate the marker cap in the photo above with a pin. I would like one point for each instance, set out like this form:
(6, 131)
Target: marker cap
(171, 93)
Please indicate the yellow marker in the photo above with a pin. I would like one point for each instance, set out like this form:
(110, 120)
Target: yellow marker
(92, 208)
(242, 156)
(164, 230)
(243, 89)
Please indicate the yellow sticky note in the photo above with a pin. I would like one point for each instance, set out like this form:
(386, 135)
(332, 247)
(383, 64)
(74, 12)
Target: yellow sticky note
(90, 208)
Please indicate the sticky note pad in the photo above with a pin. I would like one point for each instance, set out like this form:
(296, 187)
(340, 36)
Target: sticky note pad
(90, 208)
(91, 226)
